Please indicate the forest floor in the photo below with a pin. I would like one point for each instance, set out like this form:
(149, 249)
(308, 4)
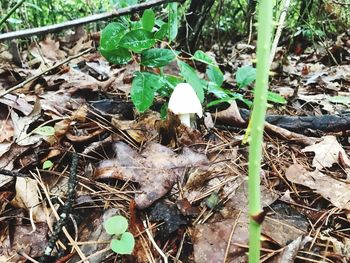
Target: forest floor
(183, 190)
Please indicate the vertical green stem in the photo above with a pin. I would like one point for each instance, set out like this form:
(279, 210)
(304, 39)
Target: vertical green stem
(257, 121)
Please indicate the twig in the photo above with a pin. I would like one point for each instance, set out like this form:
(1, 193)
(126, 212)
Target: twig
(84, 20)
(11, 173)
(279, 31)
(42, 73)
(66, 210)
(13, 9)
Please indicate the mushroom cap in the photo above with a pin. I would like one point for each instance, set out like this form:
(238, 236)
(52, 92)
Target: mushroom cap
(184, 100)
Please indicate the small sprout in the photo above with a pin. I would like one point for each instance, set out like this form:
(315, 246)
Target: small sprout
(212, 201)
(45, 131)
(124, 242)
(185, 103)
(47, 165)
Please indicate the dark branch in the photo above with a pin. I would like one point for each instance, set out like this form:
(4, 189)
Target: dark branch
(82, 21)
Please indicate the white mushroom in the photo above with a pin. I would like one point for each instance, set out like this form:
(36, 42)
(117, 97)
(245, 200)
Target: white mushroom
(185, 103)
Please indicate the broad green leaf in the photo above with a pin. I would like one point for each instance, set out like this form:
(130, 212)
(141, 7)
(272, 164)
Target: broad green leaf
(136, 25)
(126, 3)
(172, 80)
(124, 245)
(111, 35)
(45, 131)
(148, 19)
(215, 75)
(162, 32)
(245, 76)
(164, 111)
(116, 225)
(137, 40)
(143, 88)
(117, 56)
(200, 56)
(47, 165)
(157, 57)
(218, 91)
(191, 77)
(172, 21)
(275, 97)
(227, 99)
(340, 99)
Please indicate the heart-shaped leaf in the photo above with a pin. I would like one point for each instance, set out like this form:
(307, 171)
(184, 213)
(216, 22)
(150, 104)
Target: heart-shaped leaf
(124, 245)
(116, 225)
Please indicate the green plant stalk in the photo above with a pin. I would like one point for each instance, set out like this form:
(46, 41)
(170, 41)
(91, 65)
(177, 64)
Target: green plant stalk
(13, 9)
(257, 121)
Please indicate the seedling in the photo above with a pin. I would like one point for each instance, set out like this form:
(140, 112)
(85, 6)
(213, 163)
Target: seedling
(47, 165)
(123, 242)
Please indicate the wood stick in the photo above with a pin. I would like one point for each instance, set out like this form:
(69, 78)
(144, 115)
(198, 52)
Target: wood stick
(19, 85)
(84, 20)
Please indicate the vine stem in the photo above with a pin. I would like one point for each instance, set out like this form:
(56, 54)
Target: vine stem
(257, 129)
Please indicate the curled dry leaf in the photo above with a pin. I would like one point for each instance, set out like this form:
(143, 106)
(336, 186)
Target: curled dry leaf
(335, 191)
(327, 152)
(156, 169)
(27, 197)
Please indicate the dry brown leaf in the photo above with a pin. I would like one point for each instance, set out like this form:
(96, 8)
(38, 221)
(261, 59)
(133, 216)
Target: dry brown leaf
(156, 169)
(335, 191)
(327, 152)
(17, 103)
(49, 48)
(27, 197)
(6, 131)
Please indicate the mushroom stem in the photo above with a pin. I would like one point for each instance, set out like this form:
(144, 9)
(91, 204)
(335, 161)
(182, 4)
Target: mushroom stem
(185, 119)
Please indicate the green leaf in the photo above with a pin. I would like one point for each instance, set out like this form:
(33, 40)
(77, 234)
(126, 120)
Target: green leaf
(148, 19)
(111, 35)
(117, 56)
(200, 56)
(172, 21)
(116, 225)
(275, 97)
(340, 99)
(218, 91)
(47, 165)
(136, 25)
(126, 3)
(164, 111)
(143, 88)
(245, 76)
(162, 32)
(191, 77)
(137, 40)
(215, 75)
(172, 80)
(157, 57)
(45, 131)
(125, 245)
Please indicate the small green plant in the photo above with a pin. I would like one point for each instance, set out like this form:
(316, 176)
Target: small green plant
(127, 40)
(47, 165)
(124, 242)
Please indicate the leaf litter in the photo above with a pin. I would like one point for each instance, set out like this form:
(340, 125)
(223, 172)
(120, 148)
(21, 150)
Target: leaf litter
(161, 174)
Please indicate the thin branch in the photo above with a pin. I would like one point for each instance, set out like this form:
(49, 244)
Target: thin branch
(279, 30)
(84, 20)
(13, 9)
(42, 73)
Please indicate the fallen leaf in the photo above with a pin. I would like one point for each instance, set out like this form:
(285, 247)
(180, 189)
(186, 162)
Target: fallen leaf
(27, 197)
(327, 152)
(335, 191)
(156, 169)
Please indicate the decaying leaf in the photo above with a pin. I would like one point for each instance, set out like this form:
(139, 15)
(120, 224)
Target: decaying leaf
(327, 153)
(156, 169)
(335, 191)
(27, 197)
